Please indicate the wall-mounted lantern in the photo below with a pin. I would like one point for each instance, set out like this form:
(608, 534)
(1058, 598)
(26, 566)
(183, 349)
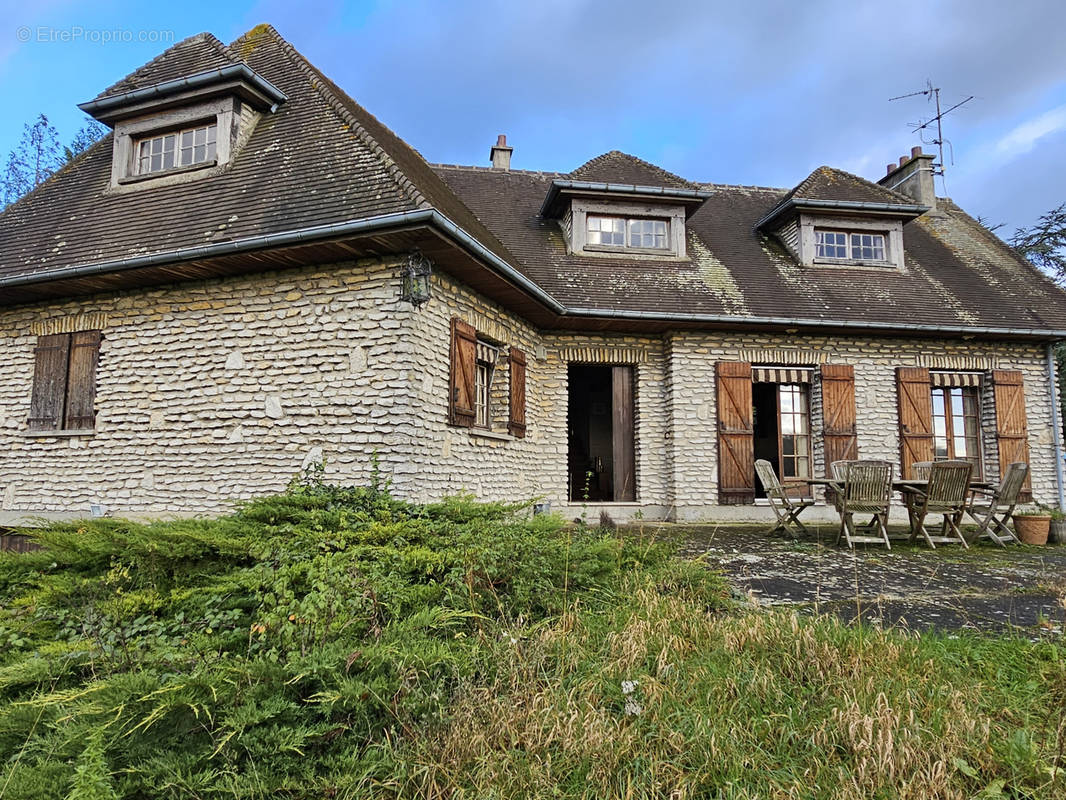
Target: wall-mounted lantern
(416, 272)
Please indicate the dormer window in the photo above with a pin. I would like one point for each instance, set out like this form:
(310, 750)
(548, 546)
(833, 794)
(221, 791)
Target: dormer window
(182, 148)
(639, 234)
(840, 245)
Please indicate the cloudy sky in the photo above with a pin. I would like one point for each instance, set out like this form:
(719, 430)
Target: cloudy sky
(759, 92)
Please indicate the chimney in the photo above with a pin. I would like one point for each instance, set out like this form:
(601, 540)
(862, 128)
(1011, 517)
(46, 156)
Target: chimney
(913, 177)
(501, 153)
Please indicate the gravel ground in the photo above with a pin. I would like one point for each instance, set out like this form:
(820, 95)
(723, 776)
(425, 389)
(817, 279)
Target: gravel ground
(1018, 589)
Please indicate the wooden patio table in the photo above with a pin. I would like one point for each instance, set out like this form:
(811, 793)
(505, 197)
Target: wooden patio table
(910, 489)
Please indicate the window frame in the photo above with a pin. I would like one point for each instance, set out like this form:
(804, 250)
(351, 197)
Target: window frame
(210, 145)
(575, 225)
(891, 231)
(849, 246)
(627, 233)
(950, 435)
(802, 392)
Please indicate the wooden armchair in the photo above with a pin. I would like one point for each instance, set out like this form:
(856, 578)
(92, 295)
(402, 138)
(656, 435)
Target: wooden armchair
(867, 489)
(945, 494)
(991, 508)
(921, 470)
(786, 509)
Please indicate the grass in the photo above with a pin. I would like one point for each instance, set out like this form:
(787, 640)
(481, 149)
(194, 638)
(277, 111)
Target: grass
(333, 642)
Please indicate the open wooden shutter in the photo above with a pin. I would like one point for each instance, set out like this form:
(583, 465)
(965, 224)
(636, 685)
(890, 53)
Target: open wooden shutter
(915, 402)
(624, 466)
(81, 382)
(52, 356)
(516, 417)
(736, 435)
(1012, 431)
(461, 386)
(838, 414)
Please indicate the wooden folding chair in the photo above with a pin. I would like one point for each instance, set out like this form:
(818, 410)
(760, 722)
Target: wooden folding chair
(786, 509)
(946, 493)
(991, 508)
(921, 470)
(838, 471)
(867, 489)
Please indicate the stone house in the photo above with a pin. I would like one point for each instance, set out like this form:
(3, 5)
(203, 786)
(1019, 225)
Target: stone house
(252, 274)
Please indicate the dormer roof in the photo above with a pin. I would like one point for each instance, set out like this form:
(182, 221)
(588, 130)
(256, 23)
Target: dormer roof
(198, 53)
(833, 190)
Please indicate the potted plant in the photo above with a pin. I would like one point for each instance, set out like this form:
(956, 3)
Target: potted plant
(1032, 525)
(1057, 531)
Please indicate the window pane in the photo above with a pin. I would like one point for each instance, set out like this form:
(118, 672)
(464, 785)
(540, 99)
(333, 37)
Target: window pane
(830, 244)
(211, 131)
(606, 230)
(186, 138)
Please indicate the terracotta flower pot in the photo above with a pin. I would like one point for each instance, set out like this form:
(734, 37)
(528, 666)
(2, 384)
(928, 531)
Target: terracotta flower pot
(1032, 529)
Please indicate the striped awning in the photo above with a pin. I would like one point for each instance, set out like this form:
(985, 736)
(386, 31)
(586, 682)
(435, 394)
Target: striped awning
(486, 353)
(780, 375)
(955, 379)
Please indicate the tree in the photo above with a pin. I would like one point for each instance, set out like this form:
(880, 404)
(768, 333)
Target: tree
(1044, 244)
(39, 154)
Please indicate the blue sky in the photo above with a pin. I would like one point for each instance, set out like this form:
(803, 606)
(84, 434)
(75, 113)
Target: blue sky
(755, 93)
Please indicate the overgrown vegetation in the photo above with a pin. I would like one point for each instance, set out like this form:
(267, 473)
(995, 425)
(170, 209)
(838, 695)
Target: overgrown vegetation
(334, 642)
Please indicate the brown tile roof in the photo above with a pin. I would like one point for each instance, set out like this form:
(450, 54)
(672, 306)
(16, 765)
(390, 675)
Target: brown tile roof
(958, 275)
(320, 159)
(619, 167)
(198, 53)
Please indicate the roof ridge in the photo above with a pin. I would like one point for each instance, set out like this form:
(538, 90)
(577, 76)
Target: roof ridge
(867, 183)
(481, 168)
(206, 36)
(319, 82)
(655, 167)
(714, 185)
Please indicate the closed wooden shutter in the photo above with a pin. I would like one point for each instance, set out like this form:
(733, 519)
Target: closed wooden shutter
(516, 418)
(81, 381)
(52, 356)
(1012, 431)
(915, 402)
(461, 386)
(838, 414)
(736, 435)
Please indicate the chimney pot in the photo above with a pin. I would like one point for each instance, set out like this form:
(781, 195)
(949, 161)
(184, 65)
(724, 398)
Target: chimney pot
(890, 169)
(913, 177)
(916, 151)
(903, 160)
(500, 154)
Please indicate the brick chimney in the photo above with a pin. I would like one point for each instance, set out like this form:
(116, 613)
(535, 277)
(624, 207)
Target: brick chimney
(501, 153)
(913, 177)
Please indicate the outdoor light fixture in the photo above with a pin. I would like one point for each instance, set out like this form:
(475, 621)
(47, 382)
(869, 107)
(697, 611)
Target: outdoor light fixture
(416, 272)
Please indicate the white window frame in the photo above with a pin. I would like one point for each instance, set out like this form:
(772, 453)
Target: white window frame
(627, 233)
(849, 245)
(210, 129)
(484, 373)
(224, 113)
(581, 209)
(891, 231)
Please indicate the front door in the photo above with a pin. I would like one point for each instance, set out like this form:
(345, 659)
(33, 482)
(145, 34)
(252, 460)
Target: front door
(600, 427)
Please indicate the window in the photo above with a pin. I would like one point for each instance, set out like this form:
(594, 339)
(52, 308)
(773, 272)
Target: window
(843, 246)
(476, 398)
(64, 382)
(957, 425)
(183, 148)
(639, 234)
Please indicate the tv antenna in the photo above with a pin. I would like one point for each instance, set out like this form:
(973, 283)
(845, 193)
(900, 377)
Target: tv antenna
(921, 127)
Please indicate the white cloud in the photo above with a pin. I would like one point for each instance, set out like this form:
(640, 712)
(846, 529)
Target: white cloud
(1024, 137)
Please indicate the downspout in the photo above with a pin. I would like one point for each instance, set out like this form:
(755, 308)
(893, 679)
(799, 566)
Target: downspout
(1056, 428)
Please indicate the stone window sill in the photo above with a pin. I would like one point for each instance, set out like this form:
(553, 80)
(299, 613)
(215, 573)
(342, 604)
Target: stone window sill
(482, 433)
(57, 434)
(166, 173)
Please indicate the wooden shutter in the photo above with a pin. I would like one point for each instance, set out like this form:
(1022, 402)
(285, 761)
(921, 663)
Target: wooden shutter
(81, 380)
(461, 387)
(52, 356)
(622, 453)
(516, 417)
(736, 435)
(915, 402)
(1012, 431)
(838, 414)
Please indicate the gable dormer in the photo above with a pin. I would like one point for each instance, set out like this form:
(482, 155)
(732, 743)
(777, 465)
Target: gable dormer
(617, 205)
(182, 114)
(834, 218)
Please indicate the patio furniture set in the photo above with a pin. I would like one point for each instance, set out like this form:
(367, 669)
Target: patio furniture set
(944, 489)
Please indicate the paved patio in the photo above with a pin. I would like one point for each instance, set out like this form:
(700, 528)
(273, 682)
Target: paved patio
(987, 588)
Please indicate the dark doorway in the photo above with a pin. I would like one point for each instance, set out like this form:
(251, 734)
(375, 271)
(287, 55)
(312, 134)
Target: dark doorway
(764, 424)
(600, 415)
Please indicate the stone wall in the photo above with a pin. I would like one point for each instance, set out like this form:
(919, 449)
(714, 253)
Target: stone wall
(220, 390)
(213, 391)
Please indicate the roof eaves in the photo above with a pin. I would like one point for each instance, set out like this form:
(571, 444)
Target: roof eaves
(558, 186)
(167, 88)
(797, 203)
